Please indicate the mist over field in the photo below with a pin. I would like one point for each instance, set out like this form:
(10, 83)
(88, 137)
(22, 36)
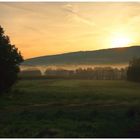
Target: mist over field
(42, 68)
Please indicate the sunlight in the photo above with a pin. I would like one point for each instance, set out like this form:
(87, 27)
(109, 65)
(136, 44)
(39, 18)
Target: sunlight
(120, 41)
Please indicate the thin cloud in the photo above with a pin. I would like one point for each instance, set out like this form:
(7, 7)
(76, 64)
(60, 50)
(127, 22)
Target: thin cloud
(74, 12)
(16, 6)
(21, 7)
(33, 29)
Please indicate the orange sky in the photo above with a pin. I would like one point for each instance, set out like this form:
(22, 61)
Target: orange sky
(47, 28)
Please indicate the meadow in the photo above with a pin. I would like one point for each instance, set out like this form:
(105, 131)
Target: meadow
(71, 109)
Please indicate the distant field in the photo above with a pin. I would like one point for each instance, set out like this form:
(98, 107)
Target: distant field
(71, 108)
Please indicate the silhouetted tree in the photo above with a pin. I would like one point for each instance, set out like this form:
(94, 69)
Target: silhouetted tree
(133, 72)
(10, 59)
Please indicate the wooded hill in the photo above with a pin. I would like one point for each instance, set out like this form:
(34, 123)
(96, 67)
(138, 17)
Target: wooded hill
(104, 56)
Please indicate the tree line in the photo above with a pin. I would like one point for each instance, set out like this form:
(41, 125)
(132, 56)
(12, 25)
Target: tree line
(97, 73)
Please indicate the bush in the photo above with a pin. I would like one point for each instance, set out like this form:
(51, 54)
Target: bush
(133, 72)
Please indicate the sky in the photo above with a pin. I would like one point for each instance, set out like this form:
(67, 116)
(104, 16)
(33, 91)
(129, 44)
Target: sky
(49, 28)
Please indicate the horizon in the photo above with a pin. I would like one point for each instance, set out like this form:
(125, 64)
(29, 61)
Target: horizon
(53, 28)
(84, 51)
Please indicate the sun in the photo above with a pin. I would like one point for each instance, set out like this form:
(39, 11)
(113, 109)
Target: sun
(120, 41)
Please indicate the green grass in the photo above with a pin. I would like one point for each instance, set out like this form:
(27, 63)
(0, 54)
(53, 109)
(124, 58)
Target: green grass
(71, 108)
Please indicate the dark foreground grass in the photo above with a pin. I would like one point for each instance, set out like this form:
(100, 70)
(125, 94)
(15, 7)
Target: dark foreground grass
(71, 108)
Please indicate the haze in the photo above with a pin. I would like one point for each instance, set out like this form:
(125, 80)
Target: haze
(48, 28)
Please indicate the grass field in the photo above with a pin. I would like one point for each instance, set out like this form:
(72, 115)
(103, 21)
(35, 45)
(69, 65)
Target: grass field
(71, 108)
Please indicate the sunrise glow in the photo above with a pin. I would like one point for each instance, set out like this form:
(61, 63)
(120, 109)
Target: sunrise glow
(121, 41)
(49, 28)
